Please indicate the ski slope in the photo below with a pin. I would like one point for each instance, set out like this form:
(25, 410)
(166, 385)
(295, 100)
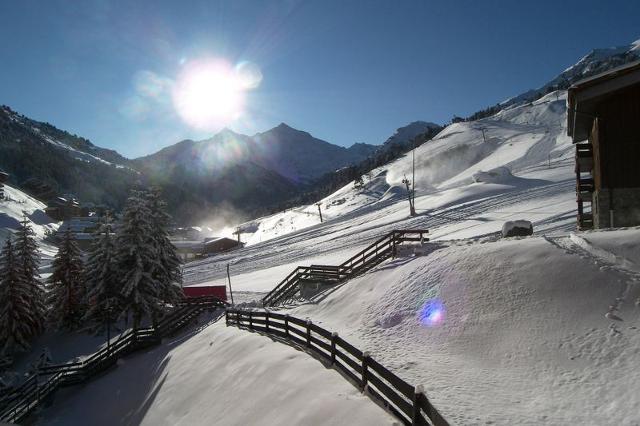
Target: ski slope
(14, 206)
(529, 140)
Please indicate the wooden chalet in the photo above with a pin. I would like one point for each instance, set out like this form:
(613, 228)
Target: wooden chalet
(219, 245)
(603, 118)
(61, 208)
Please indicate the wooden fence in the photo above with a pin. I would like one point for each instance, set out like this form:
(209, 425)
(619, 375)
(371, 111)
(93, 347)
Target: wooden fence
(16, 405)
(407, 402)
(362, 261)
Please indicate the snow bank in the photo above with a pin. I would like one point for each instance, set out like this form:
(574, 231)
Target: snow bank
(221, 376)
(11, 212)
(508, 332)
(497, 175)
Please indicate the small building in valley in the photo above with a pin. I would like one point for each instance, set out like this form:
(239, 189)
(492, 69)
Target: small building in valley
(220, 244)
(603, 118)
(190, 249)
(61, 208)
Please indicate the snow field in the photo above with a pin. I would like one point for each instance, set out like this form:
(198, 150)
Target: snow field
(219, 375)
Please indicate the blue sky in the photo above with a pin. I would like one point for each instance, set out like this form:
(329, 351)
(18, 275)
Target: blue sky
(345, 71)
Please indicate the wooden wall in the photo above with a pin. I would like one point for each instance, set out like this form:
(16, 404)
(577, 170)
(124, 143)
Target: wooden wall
(618, 139)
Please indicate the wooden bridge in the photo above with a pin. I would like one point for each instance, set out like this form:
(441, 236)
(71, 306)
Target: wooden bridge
(382, 249)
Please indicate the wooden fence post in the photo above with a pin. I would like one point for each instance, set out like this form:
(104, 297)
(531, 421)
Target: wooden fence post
(334, 337)
(266, 321)
(365, 370)
(308, 333)
(418, 393)
(226, 317)
(286, 325)
(250, 320)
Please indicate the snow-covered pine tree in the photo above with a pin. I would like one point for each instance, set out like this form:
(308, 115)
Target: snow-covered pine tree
(169, 274)
(137, 260)
(101, 278)
(66, 285)
(26, 249)
(17, 324)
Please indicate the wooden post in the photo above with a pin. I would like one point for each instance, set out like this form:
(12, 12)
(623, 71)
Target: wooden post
(319, 210)
(266, 321)
(417, 395)
(365, 370)
(286, 325)
(250, 320)
(230, 290)
(226, 317)
(334, 337)
(308, 333)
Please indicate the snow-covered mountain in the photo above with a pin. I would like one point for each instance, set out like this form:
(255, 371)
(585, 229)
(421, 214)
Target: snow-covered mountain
(293, 154)
(596, 61)
(404, 135)
(67, 163)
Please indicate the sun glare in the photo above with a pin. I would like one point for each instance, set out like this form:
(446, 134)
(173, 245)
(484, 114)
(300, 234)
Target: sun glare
(211, 93)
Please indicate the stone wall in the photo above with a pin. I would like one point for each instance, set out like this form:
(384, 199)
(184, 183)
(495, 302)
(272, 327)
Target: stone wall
(626, 207)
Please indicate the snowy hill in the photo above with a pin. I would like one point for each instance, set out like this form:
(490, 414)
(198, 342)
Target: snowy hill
(67, 163)
(12, 208)
(404, 135)
(526, 139)
(596, 61)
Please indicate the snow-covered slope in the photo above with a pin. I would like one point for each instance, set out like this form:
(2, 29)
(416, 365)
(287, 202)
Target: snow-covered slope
(596, 61)
(219, 376)
(530, 140)
(12, 208)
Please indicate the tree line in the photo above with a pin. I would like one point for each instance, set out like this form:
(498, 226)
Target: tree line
(132, 274)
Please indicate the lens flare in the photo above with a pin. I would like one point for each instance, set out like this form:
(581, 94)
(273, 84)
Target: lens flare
(209, 94)
(432, 313)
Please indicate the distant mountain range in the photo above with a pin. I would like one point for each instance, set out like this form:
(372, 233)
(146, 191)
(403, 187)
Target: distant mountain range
(246, 173)
(251, 174)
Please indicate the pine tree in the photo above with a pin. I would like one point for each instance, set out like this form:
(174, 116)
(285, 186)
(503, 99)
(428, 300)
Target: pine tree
(66, 285)
(358, 182)
(29, 259)
(169, 274)
(101, 278)
(17, 324)
(137, 260)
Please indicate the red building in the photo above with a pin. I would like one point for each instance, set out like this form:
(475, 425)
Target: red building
(219, 291)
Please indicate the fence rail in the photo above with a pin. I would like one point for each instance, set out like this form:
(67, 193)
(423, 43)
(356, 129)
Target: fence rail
(16, 405)
(364, 260)
(407, 402)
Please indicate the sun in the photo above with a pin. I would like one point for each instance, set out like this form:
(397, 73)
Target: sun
(211, 93)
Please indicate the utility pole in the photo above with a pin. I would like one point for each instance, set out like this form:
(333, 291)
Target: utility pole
(230, 290)
(237, 232)
(319, 210)
(413, 178)
(407, 183)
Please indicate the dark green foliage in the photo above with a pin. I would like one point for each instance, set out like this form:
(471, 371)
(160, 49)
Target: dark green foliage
(168, 273)
(29, 260)
(101, 278)
(66, 294)
(17, 324)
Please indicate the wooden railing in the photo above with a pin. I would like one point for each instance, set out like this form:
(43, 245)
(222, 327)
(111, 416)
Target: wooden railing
(407, 402)
(364, 260)
(16, 405)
